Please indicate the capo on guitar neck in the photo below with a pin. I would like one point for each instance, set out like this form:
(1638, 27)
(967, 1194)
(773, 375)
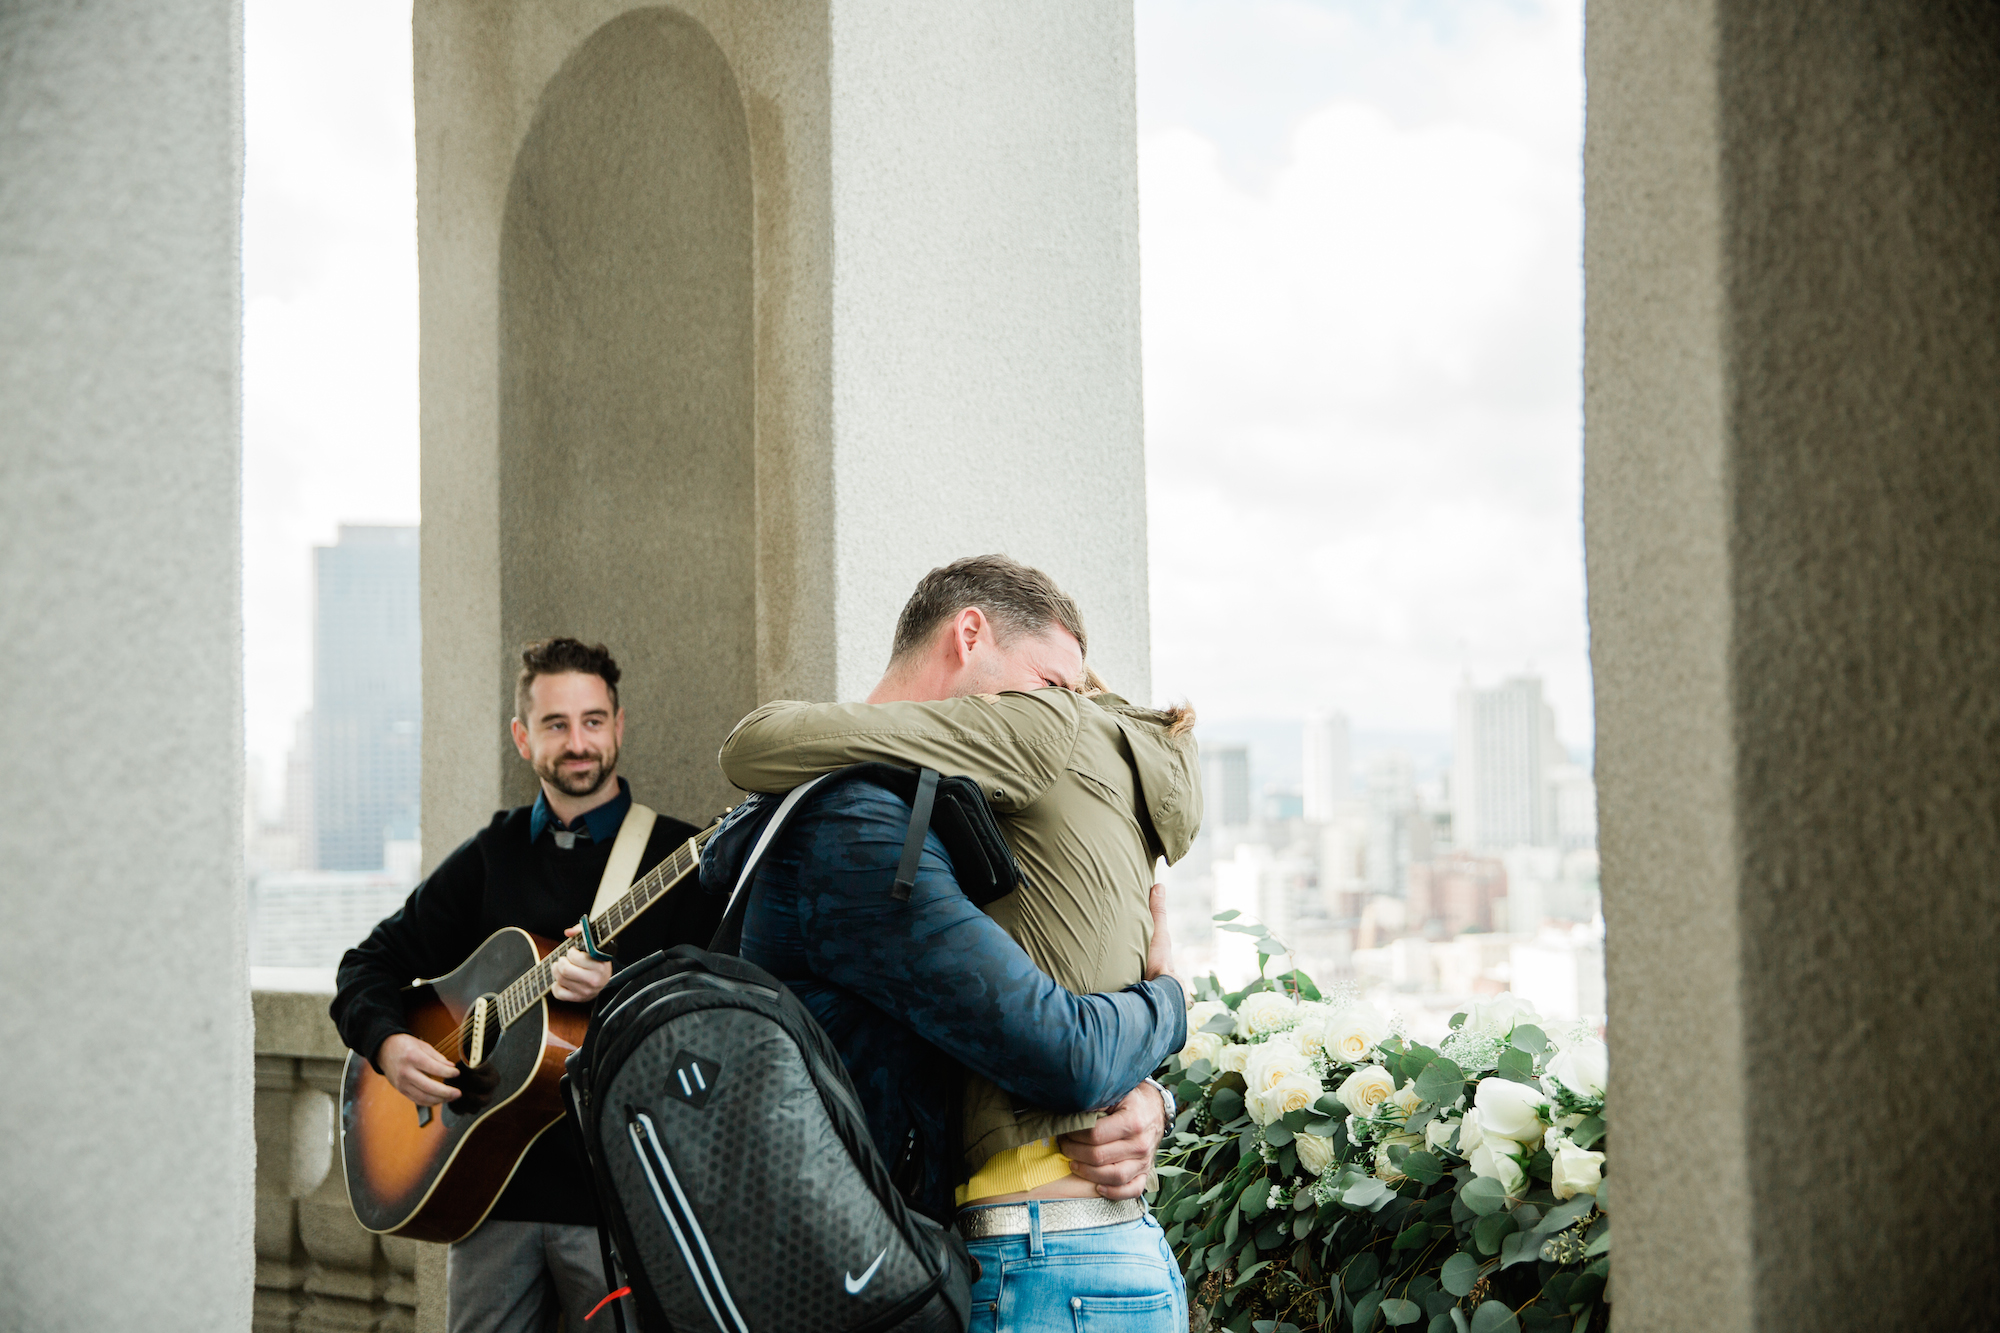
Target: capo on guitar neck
(588, 939)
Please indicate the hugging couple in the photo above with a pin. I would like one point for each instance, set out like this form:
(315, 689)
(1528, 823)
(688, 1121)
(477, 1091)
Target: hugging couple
(1001, 1056)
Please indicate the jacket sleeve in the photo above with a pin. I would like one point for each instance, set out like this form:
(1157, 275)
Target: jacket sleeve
(947, 971)
(435, 930)
(1012, 745)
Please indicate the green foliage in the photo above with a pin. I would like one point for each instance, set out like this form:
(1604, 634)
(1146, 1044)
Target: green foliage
(1396, 1231)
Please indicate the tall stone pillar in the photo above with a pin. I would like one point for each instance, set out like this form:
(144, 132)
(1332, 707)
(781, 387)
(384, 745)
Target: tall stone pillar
(126, 1168)
(1793, 513)
(738, 317)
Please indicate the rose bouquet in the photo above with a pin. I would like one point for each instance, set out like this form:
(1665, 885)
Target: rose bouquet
(1327, 1173)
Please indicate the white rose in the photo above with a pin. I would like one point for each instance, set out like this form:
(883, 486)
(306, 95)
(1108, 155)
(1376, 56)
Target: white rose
(1273, 1061)
(1315, 1153)
(1494, 1160)
(1351, 1034)
(1265, 1011)
(1406, 1099)
(1572, 1171)
(1509, 1109)
(1500, 1015)
(1202, 1011)
(1234, 1056)
(1469, 1136)
(1365, 1089)
(1201, 1046)
(1437, 1134)
(1583, 1067)
(1294, 1093)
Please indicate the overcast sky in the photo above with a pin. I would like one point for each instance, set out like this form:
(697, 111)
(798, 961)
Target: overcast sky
(1360, 224)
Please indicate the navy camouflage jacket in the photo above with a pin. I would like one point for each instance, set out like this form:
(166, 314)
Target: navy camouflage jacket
(914, 993)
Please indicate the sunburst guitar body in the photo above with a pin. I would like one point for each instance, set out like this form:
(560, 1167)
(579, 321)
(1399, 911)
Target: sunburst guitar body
(433, 1173)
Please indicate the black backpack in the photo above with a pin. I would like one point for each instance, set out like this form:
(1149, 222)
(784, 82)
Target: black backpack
(735, 1175)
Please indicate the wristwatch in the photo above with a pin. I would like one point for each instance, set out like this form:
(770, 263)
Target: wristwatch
(1166, 1100)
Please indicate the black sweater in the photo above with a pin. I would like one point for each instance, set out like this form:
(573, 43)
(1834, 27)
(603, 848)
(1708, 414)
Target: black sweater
(494, 880)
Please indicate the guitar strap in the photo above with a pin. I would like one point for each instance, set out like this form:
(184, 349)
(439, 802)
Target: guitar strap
(626, 849)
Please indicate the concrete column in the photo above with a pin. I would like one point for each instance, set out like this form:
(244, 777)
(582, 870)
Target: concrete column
(1792, 481)
(737, 318)
(127, 1166)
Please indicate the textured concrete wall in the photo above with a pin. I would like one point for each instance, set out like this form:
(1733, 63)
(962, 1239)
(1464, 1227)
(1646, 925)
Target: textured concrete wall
(986, 312)
(127, 1162)
(1792, 478)
(942, 343)
(627, 374)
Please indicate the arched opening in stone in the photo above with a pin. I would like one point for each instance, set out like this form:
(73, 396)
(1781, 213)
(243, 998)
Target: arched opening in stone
(627, 375)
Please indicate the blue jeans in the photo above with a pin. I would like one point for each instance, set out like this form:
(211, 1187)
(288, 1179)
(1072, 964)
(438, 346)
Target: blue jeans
(1116, 1279)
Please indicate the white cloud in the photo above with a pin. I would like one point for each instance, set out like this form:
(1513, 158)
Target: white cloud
(1362, 322)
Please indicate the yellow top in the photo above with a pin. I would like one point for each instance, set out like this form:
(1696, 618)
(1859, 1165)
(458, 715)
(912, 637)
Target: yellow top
(1015, 1171)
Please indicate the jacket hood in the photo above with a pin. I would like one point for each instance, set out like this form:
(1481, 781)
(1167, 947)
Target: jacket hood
(722, 859)
(1169, 772)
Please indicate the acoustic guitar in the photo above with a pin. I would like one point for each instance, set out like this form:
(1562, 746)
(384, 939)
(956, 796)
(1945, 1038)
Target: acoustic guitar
(433, 1173)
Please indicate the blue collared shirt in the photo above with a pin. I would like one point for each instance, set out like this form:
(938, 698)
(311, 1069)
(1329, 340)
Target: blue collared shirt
(601, 822)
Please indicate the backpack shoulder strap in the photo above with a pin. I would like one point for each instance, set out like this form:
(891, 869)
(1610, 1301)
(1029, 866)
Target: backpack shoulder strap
(626, 851)
(729, 934)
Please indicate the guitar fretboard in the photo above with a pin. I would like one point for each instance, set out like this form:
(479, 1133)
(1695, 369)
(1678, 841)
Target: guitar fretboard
(528, 989)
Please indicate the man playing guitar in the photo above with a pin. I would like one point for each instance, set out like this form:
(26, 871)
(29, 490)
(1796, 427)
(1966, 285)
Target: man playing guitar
(538, 868)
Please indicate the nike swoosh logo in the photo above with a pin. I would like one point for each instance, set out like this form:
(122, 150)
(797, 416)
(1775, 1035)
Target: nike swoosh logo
(855, 1284)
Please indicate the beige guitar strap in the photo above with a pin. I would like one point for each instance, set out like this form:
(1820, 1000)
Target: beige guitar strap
(626, 850)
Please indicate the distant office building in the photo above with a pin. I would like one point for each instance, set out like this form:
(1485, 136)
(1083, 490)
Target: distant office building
(1502, 755)
(367, 696)
(1573, 796)
(1451, 895)
(1225, 780)
(1328, 775)
(1398, 831)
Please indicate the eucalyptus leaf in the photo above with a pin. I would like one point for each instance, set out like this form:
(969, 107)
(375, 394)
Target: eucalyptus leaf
(1324, 1128)
(1518, 1066)
(1488, 1232)
(1420, 1165)
(1519, 1248)
(1484, 1195)
(1268, 947)
(1201, 1071)
(1440, 1323)
(1530, 1038)
(1302, 1226)
(1251, 929)
(1412, 1236)
(1361, 1272)
(1459, 1274)
(1494, 1317)
(1277, 1134)
(1246, 1274)
(1396, 1313)
(1328, 1104)
(1230, 915)
(1167, 1170)
(1226, 1105)
(1598, 1246)
(1458, 1320)
(1563, 1214)
(1589, 1132)
(1440, 1081)
(1364, 1311)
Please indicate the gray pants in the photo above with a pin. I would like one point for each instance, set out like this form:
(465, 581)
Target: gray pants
(516, 1277)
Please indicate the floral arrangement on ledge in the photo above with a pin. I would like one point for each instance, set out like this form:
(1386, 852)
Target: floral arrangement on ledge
(1327, 1173)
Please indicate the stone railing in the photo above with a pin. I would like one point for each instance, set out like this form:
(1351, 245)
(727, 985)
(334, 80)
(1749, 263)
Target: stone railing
(317, 1270)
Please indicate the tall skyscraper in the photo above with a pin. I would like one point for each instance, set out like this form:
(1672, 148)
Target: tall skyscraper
(367, 696)
(1502, 756)
(1225, 780)
(1398, 834)
(1327, 776)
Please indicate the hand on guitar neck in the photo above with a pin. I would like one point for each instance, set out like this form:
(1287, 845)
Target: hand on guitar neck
(416, 1069)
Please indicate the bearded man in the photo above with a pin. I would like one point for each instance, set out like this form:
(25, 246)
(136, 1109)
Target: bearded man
(537, 867)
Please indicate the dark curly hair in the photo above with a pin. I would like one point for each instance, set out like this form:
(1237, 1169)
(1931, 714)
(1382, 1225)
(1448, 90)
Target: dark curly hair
(552, 657)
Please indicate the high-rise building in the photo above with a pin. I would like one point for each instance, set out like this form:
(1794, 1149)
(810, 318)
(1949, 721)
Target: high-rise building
(367, 696)
(1398, 832)
(1502, 755)
(1225, 780)
(1327, 776)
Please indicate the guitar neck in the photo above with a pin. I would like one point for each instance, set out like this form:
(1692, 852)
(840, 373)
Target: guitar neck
(532, 986)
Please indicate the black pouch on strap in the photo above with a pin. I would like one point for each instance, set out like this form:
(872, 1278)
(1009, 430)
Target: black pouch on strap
(964, 822)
